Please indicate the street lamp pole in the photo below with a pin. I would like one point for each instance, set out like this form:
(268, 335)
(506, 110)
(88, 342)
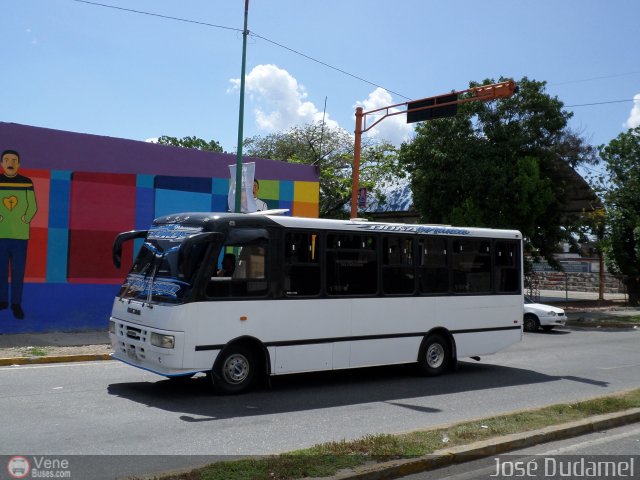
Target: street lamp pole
(245, 33)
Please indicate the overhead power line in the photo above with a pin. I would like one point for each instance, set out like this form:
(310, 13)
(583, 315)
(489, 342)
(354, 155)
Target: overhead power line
(255, 35)
(328, 65)
(600, 103)
(151, 14)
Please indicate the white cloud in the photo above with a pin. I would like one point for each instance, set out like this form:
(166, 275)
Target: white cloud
(393, 129)
(281, 101)
(634, 116)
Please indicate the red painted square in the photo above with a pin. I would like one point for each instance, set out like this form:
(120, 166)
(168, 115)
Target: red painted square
(104, 202)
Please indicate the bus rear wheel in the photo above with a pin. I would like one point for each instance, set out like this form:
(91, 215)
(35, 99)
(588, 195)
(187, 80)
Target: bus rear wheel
(234, 370)
(434, 356)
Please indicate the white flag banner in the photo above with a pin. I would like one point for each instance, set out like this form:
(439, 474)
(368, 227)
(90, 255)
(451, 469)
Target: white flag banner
(247, 203)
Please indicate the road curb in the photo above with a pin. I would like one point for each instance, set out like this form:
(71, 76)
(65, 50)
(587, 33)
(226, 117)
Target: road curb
(53, 359)
(486, 448)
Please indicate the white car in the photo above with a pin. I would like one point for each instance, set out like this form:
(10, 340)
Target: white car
(538, 315)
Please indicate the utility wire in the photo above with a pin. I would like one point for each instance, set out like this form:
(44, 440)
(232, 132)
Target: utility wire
(601, 103)
(166, 17)
(308, 57)
(603, 77)
(327, 65)
(255, 35)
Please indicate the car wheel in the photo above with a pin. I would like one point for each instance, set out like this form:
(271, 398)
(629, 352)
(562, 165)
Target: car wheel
(531, 323)
(434, 356)
(234, 370)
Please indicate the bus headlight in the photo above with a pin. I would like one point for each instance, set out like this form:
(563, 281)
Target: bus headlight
(112, 327)
(163, 341)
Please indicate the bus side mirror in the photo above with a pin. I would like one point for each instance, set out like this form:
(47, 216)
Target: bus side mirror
(120, 239)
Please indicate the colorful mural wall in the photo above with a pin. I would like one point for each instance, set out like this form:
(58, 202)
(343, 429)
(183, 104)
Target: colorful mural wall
(90, 188)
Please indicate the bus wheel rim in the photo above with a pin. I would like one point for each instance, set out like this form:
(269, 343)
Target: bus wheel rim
(236, 369)
(435, 355)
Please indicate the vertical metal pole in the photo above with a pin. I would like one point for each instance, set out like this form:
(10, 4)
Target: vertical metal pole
(355, 185)
(245, 33)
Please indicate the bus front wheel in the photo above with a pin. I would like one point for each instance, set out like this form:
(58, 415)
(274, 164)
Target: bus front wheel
(434, 356)
(234, 370)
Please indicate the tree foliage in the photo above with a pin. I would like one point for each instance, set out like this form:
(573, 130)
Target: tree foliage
(495, 165)
(331, 151)
(622, 196)
(191, 142)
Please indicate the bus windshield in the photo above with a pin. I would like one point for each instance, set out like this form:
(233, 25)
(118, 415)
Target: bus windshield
(163, 272)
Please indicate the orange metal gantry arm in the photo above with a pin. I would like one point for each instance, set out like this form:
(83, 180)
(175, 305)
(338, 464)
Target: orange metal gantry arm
(476, 94)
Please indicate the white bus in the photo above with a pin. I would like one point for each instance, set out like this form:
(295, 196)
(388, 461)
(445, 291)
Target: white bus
(241, 297)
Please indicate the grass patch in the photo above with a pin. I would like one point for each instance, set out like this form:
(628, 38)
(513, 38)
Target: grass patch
(37, 351)
(328, 458)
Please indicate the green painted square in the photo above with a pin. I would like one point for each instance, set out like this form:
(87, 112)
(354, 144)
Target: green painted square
(269, 189)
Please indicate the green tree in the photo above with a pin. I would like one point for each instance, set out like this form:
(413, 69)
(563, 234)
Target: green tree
(495, 164)
(331, 151)
(622, 196)
(191, 142)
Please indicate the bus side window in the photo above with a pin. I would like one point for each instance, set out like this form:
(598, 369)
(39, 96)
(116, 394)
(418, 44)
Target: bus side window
(397, 265)
(249, 276)
(351, 264)
(302, 265)
(433, 265)
(507, 266)
(471, 266)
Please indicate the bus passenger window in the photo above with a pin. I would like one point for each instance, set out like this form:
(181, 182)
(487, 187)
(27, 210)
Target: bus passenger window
(507, 266)
(433, 265)
(351, 264)
(471, 266)
(397, 265)
(301, 264)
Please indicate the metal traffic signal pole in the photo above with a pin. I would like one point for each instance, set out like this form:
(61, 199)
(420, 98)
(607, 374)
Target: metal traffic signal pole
(429, 108)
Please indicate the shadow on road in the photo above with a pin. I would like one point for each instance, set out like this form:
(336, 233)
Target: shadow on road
(194, 400)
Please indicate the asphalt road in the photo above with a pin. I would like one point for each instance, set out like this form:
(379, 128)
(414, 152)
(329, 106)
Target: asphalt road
(108, 408)
(619, 445)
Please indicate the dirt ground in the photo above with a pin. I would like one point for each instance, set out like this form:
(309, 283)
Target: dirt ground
(48, 351)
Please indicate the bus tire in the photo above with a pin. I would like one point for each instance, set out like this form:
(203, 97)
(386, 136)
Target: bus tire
(234, 370)
(435, 355)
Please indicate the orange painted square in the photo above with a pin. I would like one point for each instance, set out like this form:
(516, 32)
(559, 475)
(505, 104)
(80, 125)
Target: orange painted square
(306, 209)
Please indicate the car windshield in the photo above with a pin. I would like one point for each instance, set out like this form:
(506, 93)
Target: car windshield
(528, 300)
(158, 275)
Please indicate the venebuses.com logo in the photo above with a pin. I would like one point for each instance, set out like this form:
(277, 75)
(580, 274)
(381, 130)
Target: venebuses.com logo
(18, 467)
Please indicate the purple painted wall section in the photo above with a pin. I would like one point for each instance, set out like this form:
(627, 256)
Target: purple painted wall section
(88, 189)
(46, 148)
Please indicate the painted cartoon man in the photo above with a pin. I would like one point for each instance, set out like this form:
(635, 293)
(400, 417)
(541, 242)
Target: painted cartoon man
(17, 208)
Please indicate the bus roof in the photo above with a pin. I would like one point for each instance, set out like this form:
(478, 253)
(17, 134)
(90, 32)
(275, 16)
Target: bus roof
(211, 221)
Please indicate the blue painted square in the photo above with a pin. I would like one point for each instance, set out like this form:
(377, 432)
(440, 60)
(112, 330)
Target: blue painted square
(286, 190)
(145, 181)
(286, 204)
(219, 203)
(185, 184)
(58, 254)
(220, 186)
(173, 201)
(145, 210)
(59, 202)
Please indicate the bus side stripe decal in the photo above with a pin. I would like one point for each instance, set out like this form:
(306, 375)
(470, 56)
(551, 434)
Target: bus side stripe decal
(289, 343)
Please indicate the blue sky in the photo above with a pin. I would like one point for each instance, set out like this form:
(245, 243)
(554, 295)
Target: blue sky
(73, 66)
